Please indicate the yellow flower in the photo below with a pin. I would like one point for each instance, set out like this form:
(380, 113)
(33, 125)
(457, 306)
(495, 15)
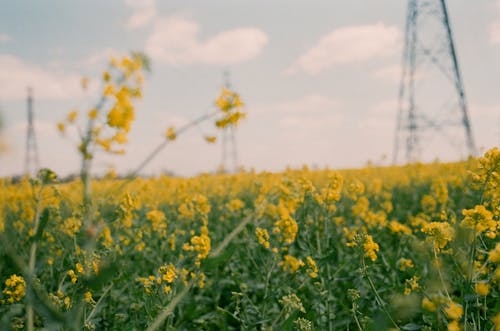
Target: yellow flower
(147, 283)
(67, 302)
(140, 247)
(71, 273)
(200, 244)
(494, 254)
(88, 297)
(109, 89)
(482, 289)
(79, 268)
(428, 204)
(84, 83)
(411, 285)
(397, 227)
(262, 237)
(93, 114)
(168, 273)
(371, 248)
(106, 76)
(157, 219)
(210, 139)
(496, 321)
(312, 267)
(454, 326)
(440, 190)
(15, 288)
(291, 264)
(440, 233)
(71, 226)
(61, 127)
(405, 264)
(72, 116)
(361, 207)
(229, 103)
(428, 305)
(120, 138)
(287, 227)
(170, 134)
(454, 311)
(201, 280)
(235, 205)
(479, 219)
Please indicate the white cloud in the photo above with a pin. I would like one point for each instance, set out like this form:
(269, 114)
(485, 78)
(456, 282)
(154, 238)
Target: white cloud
(307, 104)
(352, 44)
(381, 117)
(494, 28)
(144, 13)
(101, 56)
(310, 123)
(312, 114)
(176, 41)
(390, 73)
(494, 32)
(4, 37)
(484, 111)
(16, 75)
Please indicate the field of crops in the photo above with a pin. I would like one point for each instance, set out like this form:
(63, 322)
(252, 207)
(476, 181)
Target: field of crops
(408, 248)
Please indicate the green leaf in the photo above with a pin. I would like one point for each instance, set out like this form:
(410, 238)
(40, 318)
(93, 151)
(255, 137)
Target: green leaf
(411, 327)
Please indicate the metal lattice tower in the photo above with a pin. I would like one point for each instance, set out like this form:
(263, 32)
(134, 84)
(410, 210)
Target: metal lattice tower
(432, 104)
(229, 149)
(31, 164)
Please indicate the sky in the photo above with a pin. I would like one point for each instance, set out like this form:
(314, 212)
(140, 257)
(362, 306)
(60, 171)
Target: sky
(319, 79)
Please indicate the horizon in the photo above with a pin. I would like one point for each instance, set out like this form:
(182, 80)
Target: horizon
(336, 109)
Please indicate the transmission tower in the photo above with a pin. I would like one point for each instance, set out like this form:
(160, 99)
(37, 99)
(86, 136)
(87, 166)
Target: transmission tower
(31, 164)
(229, 149)
(432, 114)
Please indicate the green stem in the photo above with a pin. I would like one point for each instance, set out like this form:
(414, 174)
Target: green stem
(377, 295)
(178, 298)
(266, 288)
(169, 308)
(277, 318)
(438, 267)
(92, 313)
(354, 314)
(32, 260)
(216, 252)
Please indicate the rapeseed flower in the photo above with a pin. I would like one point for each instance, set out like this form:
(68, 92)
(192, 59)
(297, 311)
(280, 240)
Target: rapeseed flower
(371, 248)
(262, 237)
(440, 233)
(291, 264)
(14, 288)
(454, 311)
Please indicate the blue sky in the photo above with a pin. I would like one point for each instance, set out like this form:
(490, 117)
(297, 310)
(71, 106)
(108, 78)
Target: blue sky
(319, 78)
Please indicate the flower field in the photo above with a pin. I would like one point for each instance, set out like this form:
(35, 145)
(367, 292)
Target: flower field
(394, 248)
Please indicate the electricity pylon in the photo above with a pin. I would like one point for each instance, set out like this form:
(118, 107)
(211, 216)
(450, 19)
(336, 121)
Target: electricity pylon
(31, 162)
(432, 100)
